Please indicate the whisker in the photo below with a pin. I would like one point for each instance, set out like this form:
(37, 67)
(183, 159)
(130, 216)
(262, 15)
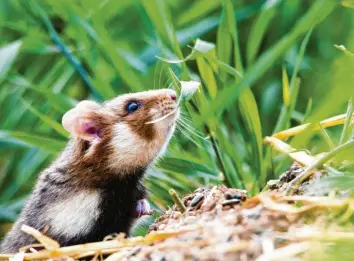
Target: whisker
(170, 86)
(186, 119)
(187, 123)
(179, 128)
(163, 117)
(193, 132)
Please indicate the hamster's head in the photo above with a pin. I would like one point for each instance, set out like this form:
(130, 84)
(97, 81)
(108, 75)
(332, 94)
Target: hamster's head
(125, 133)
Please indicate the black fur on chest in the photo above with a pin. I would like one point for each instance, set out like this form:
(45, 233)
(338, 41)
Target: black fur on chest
(117, 207)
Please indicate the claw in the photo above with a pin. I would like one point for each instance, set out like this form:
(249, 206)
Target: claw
(143, 208)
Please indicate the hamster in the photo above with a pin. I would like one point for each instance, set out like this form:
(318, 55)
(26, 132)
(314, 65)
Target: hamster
(95, 187)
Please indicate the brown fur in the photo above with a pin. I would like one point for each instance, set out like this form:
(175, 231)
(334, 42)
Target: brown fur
(86, 162)
(99, 166)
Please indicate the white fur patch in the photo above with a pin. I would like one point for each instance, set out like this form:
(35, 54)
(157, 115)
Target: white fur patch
(130, 148)
(74, 215)
(125, 140)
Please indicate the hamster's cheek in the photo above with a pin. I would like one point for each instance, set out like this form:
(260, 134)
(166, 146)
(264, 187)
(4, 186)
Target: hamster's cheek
(126, 140)
(130, 150)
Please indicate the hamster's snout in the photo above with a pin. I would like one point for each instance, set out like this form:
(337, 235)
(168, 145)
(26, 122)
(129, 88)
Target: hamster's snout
(172, 94)
(166, 107)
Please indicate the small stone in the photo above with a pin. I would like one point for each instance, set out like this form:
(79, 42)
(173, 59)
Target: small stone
(197, 199)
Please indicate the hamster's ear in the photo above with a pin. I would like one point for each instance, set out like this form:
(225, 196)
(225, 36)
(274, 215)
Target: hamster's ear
(80, 121)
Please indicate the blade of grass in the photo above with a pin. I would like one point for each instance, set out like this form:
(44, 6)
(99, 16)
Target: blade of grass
(259, 28)
(308, 110)
(161, 18)
(109, 50)
(26, 169)
(59, 101)
(286, 88)
(8, 55)
(23, 139)
(286, 111)
(207, 76)
(47, 120)
(197, 10)
(187, 167)
(347, 128)
(326, 138)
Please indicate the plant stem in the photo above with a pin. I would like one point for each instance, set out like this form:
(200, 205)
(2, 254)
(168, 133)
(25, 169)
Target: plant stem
(218, 156)
(293, 185)
(177, 200)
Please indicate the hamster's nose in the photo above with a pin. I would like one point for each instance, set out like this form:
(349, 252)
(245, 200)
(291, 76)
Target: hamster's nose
(172, 95)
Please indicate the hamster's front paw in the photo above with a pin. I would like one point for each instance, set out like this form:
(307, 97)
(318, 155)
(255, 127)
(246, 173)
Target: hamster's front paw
(143, 208)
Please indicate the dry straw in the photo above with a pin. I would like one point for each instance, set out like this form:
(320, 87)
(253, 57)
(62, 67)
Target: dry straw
(53, 250)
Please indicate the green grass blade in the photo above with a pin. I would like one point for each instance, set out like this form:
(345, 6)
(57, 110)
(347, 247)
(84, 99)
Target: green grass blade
(8, 55)
(60, 102)
(186, 167)
(285, 114)
(250, 116)
(348, 127)
(308, 110)
(326, 138)
(47, 120)
(161, 18)
(286, 88)
(24, 139)
(259, 28)
(26, 169)
(197, 10)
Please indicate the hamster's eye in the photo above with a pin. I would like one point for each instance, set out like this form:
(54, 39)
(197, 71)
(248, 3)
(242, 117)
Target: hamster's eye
(132, 106)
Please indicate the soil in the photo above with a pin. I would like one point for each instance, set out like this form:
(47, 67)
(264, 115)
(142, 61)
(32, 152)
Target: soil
(224, 225)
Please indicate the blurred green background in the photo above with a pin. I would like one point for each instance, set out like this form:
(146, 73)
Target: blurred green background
(264, 66)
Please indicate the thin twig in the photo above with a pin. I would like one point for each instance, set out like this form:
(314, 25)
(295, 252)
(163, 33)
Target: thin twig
(177, 200)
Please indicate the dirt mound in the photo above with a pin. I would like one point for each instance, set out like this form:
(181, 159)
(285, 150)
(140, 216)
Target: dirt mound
(220, 224)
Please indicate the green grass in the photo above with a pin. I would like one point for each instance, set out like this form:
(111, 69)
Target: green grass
(264, 66)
